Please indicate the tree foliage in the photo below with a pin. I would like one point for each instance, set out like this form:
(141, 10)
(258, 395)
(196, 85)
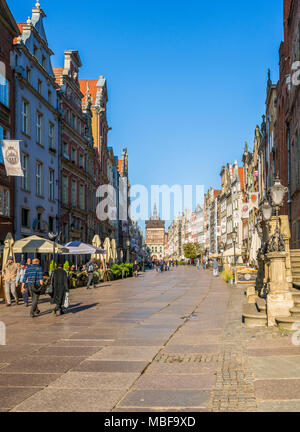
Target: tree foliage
(192, 250)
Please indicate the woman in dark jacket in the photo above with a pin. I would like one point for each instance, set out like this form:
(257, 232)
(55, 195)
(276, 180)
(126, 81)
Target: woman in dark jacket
(60, 288)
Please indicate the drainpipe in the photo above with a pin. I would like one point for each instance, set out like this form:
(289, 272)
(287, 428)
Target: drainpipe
(289, 173)
(58, 221)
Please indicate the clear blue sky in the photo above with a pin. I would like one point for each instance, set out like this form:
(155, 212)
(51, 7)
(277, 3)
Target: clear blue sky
(187, 80)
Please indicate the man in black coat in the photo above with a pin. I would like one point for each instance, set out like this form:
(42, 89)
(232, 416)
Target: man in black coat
(60, 288)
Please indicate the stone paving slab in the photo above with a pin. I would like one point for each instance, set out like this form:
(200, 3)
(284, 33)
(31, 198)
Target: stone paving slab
(27, 380)
(104, 381)
(64, 400)
(126, 354)
(176, 382)
(279, 406)
(282, 389)
(189, 349)
(66, 351)
(110, 366)
(30, 364)
(166, 398)
(11, 396)
(276, 367)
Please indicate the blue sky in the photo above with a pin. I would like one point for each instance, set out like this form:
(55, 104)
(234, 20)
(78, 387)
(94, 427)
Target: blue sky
(187, 80)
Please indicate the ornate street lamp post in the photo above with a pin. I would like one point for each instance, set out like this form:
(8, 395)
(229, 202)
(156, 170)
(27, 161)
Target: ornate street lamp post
(277, 193)
(53, 236)
(234, 240)
(127, 250)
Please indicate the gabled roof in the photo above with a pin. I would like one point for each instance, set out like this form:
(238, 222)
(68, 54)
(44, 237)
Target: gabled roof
(6, 17)
(92, 87)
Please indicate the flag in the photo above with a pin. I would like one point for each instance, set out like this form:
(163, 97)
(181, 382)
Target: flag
(253, 200)
(245, 211)
(11, 157)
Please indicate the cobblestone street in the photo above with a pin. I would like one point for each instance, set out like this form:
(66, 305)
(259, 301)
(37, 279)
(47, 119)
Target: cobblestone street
(163, 342)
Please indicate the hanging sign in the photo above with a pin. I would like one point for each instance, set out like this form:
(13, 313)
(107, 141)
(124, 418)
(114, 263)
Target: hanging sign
(11, 157)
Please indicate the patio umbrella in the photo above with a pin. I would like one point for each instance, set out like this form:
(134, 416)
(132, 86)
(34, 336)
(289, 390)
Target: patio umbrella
(255, 245)
(114, 250)
(8, 248)
(37, 244)
(107, 247)
(97, 244)
(79, 248)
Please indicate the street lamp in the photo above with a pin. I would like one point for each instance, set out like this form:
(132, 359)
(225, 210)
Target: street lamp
(234, 240)
(127, 250)
(266, 210)
(277, 193)
(53, 236)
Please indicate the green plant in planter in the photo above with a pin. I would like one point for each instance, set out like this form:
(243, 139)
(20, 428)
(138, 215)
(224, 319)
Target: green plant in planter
(51, 267)
(67, 266)
(227, 276)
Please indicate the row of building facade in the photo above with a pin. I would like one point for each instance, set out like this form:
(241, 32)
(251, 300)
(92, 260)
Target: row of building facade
(235, 205)
(61, 123)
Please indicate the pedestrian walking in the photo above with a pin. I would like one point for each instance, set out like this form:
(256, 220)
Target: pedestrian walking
(90, 268)
(9, 274)
(34, 279)
(198, 264)
(19, 282)
(215, 265)
(60, 289)
(135, 269)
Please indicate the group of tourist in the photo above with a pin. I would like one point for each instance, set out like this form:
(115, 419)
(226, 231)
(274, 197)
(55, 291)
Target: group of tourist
(207, 263)
(27, 277)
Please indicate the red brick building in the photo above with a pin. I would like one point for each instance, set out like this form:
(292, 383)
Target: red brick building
(78, 185)
(287, 152)
(8, 31)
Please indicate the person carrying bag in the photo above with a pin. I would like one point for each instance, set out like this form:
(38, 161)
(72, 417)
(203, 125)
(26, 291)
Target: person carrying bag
(34, 279)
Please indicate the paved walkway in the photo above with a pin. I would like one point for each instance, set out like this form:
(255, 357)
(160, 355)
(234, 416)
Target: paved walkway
(128, 346)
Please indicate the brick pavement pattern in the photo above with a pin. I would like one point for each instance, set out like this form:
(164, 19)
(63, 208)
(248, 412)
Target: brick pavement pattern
(163, 342)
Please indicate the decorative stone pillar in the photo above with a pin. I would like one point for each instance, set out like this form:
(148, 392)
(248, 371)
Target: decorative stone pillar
(279, 299)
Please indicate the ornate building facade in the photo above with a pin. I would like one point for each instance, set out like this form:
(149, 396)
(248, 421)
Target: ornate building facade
(155, 236)
(8, 31)
(37, 193)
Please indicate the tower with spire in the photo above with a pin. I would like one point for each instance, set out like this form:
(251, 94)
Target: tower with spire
(155, 235)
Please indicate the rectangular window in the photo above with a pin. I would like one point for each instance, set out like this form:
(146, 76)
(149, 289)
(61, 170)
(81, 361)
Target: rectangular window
(73, 121)
(81, 161)
(25, 166)
(28, 75)
(4, 201)
(4, 91)
(51, 223)
(65, 150)
(44, 64)
(40, 87)
(50, 97)
(74, 154)
(35, 51)
(81, 197)
(74, 193)
(25, 117)
(39, 128)
(25, 218)
(4, 134)
(51, 185)
(51, 136)
(65, 190)
(39, 178)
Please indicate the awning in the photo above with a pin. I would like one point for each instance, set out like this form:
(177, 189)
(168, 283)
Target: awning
(79, 248)
(230, 252)
(37, 244)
